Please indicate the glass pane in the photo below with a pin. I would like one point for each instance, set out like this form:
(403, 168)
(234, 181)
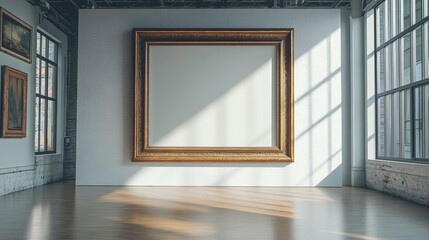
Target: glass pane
(381, 124)
(43, 78)
(421, 122)
(51, 126)
(427, 48)
(37, 75)
(394, 17)
(388, 125)
(394, 125)
(396, 116)
(396, 73)
(418, 122)
(52, 51)
(36, 127)
(419, 52)
(406, 14)
(381, 24)
(42, 125)
(419, 8)
(405, 101)
(387, 20)
(51, 80)
(43, 46)
(385, 138)
(38, 43)
(406, 59)
(425, 8)
(381, 71)
(388, 67)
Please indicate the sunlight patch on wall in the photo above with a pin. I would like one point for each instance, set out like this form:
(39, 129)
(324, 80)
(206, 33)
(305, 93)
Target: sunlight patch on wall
(234, 88)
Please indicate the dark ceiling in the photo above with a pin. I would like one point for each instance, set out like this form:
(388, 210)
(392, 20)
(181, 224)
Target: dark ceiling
(199, 3)
(63, 13)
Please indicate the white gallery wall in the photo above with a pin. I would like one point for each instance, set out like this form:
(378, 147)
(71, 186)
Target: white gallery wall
(20, 168)
(104, 127)
(219, 96)
(19, 152)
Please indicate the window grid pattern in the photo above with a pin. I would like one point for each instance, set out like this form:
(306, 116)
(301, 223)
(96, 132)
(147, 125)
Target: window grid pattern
(46, 94)
(402, 80)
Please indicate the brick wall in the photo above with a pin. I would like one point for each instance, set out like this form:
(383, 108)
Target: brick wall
(406, 180)
(71, 105)
(47, 168)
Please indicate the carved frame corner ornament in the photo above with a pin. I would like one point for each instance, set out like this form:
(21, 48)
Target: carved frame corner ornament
(282, 39)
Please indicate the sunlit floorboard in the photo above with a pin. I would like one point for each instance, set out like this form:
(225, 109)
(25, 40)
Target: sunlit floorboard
(62, 211)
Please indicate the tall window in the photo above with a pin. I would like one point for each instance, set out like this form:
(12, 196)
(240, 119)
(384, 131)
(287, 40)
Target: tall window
(402, 79)
(46, 94)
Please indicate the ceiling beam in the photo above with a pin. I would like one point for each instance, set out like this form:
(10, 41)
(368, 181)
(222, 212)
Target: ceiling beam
(336, 3)
(200, 3)
(94, 4)
(74, 4)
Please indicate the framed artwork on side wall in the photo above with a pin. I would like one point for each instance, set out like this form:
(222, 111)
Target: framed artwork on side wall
(13, 103)
(15, 36)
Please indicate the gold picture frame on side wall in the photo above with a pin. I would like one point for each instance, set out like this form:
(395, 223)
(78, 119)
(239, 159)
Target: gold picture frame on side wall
(13, 103)
(16, 36)
(163, 59)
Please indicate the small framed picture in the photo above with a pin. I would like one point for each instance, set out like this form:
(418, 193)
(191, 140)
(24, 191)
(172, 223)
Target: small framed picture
(15, 36)
(13, 103)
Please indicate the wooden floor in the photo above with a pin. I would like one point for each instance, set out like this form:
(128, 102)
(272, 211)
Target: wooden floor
(61, 211)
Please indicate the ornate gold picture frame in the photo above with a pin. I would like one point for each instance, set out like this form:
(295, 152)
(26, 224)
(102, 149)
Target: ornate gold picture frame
(13, 103)
(281, 40)
(16, 36)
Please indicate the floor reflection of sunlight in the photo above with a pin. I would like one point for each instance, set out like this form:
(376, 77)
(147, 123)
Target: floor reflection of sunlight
(125, 197)
(267, 201)
(353, 235)
(195, 211)
(169, 224)
(39, 223)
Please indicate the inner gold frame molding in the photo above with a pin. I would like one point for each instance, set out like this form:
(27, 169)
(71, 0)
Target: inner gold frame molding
(282, 39)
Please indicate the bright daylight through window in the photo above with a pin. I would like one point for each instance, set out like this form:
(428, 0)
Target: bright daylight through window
(46, 94)
(402, 80)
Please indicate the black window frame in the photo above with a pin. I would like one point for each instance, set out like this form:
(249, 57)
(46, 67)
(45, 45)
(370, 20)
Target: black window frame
(39, 96)
(411, 87)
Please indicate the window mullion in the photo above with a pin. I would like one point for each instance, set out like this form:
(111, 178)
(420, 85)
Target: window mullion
(402, 123)
(377, 140)
(46, 94)
(413, 45)
(54, 124)
(46, 124)
(40, 117)
(413, 129)
(38, 122)
(425, 50)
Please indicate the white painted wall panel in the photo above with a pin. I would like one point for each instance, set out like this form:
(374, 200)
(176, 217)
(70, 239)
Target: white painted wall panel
(212, 96)
(17, 152)
(104, 143)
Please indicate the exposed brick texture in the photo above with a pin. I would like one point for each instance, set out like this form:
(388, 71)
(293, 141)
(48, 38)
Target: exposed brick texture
(47, 168)
(409, 181)
(71, 117)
